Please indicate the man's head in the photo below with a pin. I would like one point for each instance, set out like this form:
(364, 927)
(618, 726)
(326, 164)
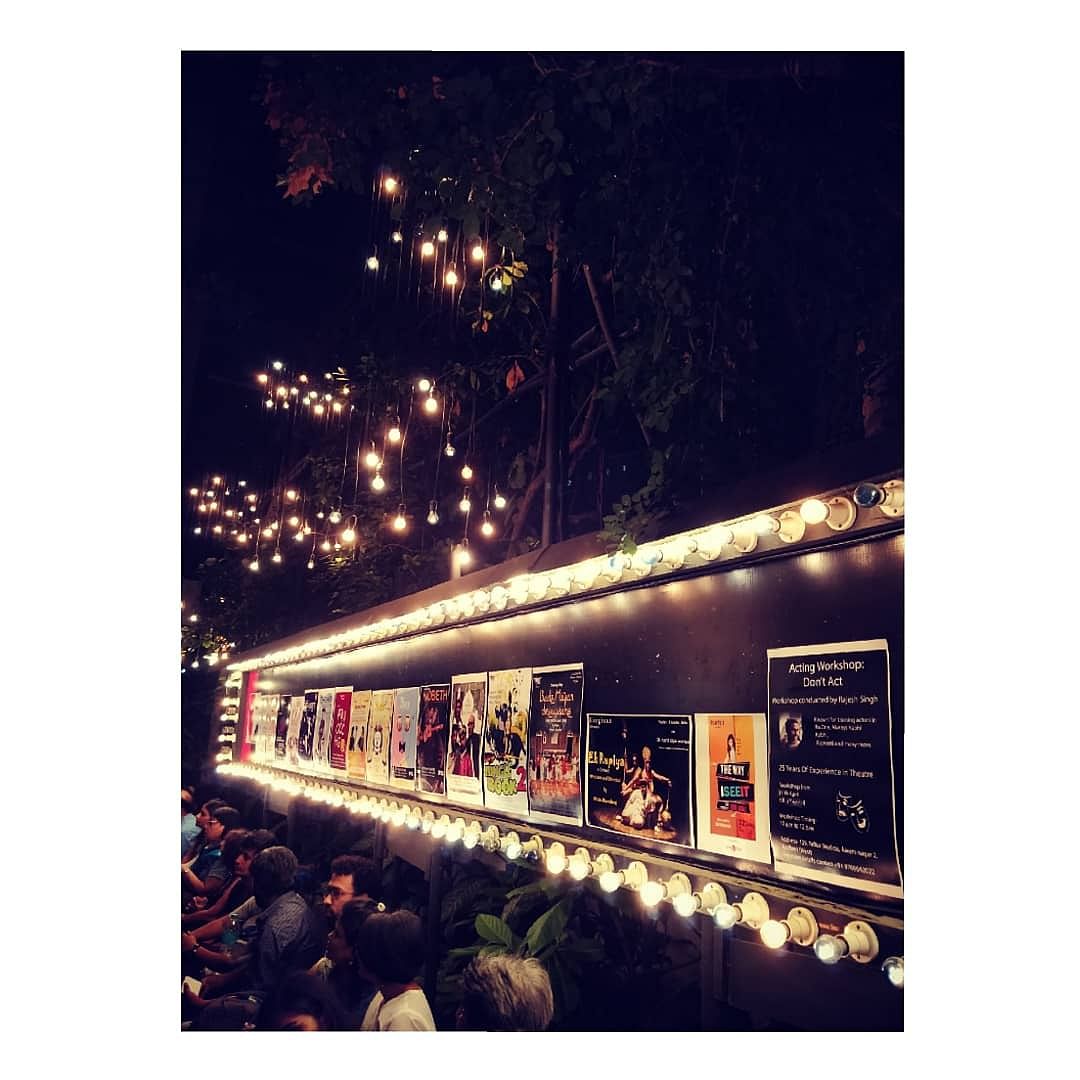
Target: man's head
(352, 877)
(505, 993)
(252, 844)
(346, 932)
(793, 730)
(219, 823)
(272, 873)
(390, 946)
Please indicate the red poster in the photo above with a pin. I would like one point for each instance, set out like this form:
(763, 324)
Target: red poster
(339, 735)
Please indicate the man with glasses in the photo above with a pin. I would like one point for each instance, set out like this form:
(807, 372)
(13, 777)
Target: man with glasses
(207, 875)
(352, 877)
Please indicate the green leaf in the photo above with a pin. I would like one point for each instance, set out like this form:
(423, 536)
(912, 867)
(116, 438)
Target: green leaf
(549, 927)
(492, 928)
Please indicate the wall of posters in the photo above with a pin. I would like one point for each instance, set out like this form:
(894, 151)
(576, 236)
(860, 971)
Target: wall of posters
(468, 698)
(831, 780)
(339, 732)
(505, 753)
(732, 785)
(305, 742)
(554, 744)
(431, 739)
(403, 743)
(281, 731)
(637, 776)
(358, 720)
(292, 741)
(324, 724)
(377, 744)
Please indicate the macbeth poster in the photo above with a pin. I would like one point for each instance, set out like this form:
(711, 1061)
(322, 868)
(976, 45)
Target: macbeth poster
(555, 744)
(637, 776)
(358, 719)
(468, 697)
(732, 785)
(339, 733)
(831, 789)
(431, 739)
(403, 743)
(377, 746)
(505, 752)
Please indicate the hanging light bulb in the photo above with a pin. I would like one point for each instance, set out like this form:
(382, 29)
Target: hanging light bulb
(442, 236)
(348, 535)
(215, 481)
(373, 262)
(486, 526)
(299, 537)
(466, 503)
(217, 529)
(294, 521)
(372, 459)
(268, 532)
(269, 402)
(423, 384)
(394, 434)
(450, 277)
(320, 409)
(496, 283)
(433, 513)
(277, 365)
(254, 564)
(390, 185)
(377, 482)
(478, 253)
(243, 538)
(427, 249)
(291, 495)
(201, 508)
(399, 520)
(431, 402)
(193, 491)
(325, 545)
(449, 451)
(396, 237)
(466, 471)
(335, 517)
(262, 378)
(198, 530)
(337, 406)
(464, 556)
(500, 500)
(276, 557)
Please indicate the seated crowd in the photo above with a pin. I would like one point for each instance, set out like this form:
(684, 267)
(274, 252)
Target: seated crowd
(257, 955)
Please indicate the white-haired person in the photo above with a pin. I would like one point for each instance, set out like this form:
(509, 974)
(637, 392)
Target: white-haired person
(505, 993)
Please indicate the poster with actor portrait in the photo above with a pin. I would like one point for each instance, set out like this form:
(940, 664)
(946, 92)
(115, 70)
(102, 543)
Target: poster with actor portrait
(554, 766)
(403, 742)
(505, 753)
(377, 744)
(281, 731)
(292, 740)
(324, 724)
(358, 720)
(339, 732)
(468, 697)
(306, 740)
(431, 739)
(637, 776)
(732, 785)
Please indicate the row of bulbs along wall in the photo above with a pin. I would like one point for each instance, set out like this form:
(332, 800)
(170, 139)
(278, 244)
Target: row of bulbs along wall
(857, 941)
(829, 513)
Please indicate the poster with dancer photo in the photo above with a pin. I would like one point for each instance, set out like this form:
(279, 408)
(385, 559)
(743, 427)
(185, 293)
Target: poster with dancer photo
(324, 723)
(637, 776)
(292, 740)
(831, 792)
(555, 743)
(305, 743)
(281, 731)
(358, 720)
(403, 743)
(377, 744)
(505, 751)
(732, 785)
(431, 739)
(468, 697)
(339, 733)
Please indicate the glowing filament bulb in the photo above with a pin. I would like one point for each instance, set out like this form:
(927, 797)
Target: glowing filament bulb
(242, 538)
(464, 556)
(213, 505)
(427, 249)
(893, 966)
(291, 495)
(396, 237)
(496, 283)
(294, 521)
(478, 253)
(348, 536)
(466, 472)
(390, 185)
(337, 406)
(198, 530)
(431, 403)
(433, 514)
(371, 459)
(268, 532)
(394, 434)
(325, 545)
(377, 482)
(320, 409)
(727, 915)
(311, 564)
(449, 451)
(450, 277)
(217, 528)
(202, 508)
(399, 521)
(442, 236)
(438, 830)
(277, 365)
(580, 865)
(610, 880)
(283, 391)
(765, 523)
(423, 385)
(335, 517)
(254, 564)
(262, 378)
(685, 904)
(466, 503)
(269, 402)
(830, 949)
(500, 500)
(487, 528)
(372, 262)
(276, 557)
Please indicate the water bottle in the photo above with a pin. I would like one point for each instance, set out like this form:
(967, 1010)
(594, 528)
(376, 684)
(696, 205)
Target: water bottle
(229, 934)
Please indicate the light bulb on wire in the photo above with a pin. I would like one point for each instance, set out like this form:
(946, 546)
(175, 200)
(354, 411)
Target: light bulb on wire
(464, 556)
(423, 385)
(348, 535)
(372, 459)
(466, 471)
(335, 517)
(499, 500)
(373, 262)
(390, 185)
(478, 253)
(394, 434)
(450, 277)
(433, 513)
(442, 236)
(427, 249)
(449, 451)
(466, 503)
(399, 520)
(276, 557)
(396, 237)
(377, 482)
(431, 402)
(486, 526)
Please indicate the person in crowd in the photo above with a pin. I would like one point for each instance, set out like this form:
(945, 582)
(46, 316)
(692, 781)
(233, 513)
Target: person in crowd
(505, 993)
(352, 877)
(208, 874)
(302, 1002)
(390, 949)
(340, 968)
(189, 827)
(238, 851)
(204, 813)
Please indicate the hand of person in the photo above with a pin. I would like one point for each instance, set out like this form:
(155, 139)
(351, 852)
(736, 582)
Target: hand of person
(187, 941)
(199, 902)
